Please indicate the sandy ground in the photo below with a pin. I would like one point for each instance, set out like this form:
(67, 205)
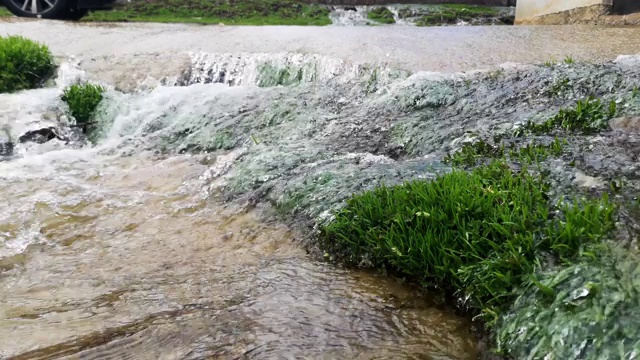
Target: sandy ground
(161, 49)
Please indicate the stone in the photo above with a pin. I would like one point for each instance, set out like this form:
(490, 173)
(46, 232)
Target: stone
(626, 123)
(39, 136)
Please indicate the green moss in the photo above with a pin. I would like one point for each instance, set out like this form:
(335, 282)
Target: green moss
(270, 75)
(234, 12)
(452, 13)
(586, 311)
(24, 64)
(83, 100)
(478, 235)
(381, 15)
(405, 12)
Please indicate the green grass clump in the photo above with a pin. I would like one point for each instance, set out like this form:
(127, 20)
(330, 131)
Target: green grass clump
(233, 12)
(24, 64)
(588, 117)
(478, 235)
(4, 12)
(586, 311)
(83, 100)
(472, 153)
(381, 15)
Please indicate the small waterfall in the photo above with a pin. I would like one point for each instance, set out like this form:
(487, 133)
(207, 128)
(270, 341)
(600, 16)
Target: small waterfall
(266, 70)
(350, 15)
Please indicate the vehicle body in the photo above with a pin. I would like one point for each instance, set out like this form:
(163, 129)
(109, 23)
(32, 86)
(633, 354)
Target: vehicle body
(55, 9)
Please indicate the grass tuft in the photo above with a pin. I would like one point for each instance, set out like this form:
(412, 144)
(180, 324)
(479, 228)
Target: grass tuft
(381, 15)
(588, 117)
(24, 64)
(83, 100)
(533, 153)
(478, 235)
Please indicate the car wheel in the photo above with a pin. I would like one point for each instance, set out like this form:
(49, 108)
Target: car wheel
(46, 9)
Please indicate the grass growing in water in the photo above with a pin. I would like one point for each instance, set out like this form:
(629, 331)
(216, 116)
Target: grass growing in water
(478, 235)
(589, 116)
(24, 64)
(472, 153)
(233, 12)
(83, 100)
(381, 15)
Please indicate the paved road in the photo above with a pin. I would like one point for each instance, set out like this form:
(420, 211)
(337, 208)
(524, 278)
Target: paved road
(432, 49)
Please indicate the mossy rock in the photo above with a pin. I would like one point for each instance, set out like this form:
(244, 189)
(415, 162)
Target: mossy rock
(381, 15)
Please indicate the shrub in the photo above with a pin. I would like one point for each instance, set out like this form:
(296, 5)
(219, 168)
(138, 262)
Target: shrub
(83, 99)
(381, 15)
(477, 235)
(24, 64)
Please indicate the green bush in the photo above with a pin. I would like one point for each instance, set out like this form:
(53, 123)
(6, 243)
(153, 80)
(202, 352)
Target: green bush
(24, 64)
(381, 15)
(83, 100)
(586, 311)
(477, 235)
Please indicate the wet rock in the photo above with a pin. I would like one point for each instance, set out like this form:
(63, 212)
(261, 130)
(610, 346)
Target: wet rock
(40, 136)
(6, 148)
(587, 181)
(626, 123)
(6, 145)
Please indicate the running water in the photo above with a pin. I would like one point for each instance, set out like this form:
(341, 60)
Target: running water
(122, 250)
(166, 239)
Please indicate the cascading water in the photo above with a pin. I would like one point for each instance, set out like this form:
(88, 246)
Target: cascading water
(165, 238)
(410, 15)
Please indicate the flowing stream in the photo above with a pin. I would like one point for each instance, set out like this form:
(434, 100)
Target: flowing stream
(118, 250)
(185, 230)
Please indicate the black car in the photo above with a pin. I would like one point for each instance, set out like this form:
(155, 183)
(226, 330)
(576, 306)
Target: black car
(55, 9)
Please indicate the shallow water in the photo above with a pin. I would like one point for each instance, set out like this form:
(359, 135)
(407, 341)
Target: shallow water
(117, 252)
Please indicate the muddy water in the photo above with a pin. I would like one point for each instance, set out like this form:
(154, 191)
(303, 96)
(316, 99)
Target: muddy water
(411, 48)
(125, 258)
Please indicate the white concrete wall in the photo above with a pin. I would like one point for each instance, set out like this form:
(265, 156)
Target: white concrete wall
(526, 9)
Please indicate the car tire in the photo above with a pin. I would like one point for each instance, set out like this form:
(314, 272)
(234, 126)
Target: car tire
(46, 9)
